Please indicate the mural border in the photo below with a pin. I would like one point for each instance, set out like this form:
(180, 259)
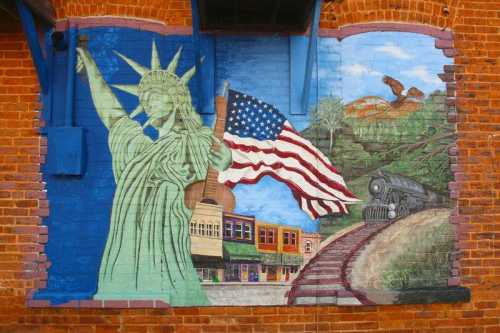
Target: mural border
(38, 264)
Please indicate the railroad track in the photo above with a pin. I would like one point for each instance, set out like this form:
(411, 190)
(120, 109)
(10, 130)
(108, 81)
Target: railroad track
(324, 280)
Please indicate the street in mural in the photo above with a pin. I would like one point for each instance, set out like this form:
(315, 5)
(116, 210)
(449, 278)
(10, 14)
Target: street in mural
(254, 205)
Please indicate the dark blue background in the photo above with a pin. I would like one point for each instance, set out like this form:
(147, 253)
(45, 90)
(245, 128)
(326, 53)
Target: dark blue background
(80, 206)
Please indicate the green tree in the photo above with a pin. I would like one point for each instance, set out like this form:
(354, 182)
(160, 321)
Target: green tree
(329, 114)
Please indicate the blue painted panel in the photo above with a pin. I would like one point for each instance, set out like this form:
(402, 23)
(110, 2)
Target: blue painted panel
(258, 66)
(67, 151)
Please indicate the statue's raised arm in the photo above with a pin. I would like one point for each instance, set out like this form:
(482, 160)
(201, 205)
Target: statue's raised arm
(107, 105)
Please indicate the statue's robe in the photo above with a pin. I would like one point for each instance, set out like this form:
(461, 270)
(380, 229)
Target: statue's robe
(148, 250)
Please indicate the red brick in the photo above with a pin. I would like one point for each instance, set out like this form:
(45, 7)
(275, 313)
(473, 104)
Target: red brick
(475, 26)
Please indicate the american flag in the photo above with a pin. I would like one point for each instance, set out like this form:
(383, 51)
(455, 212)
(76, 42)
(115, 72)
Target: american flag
(264, 143)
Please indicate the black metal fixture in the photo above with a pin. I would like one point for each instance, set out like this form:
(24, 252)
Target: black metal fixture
(271, 16)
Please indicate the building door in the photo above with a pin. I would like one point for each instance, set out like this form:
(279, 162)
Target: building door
(287, 273)
(271, 273)
(232, 272)
(253, 273)
(244, 272)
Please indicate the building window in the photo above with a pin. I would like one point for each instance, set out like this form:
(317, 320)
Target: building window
(248, 232)
(216, 230)
(267, 235)
(286, 238)
(228, 229)
(192, 229)
(308, 247)
(238, 230)
(201, 229)
(262, 235)
(209, 230)
(270, 236)
(207, 274)
(290, 238)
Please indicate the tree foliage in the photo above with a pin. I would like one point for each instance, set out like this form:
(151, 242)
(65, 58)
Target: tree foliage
(329, 115)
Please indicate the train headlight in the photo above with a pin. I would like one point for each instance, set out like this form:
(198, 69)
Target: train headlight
(392, 214)
(376, 186)
(392, 206)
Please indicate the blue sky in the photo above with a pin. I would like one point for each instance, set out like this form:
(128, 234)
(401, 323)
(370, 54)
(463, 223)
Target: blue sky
(352, 68)
(366, 58)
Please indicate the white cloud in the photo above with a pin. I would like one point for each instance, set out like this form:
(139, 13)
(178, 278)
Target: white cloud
(421, 73)
(394, 51)
(358, 70)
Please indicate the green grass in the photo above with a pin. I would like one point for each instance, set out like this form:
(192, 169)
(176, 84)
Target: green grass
(425, 263)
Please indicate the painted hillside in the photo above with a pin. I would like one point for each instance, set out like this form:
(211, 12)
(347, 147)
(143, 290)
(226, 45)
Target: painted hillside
(410, 139)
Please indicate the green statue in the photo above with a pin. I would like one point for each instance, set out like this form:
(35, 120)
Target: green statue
(148, 249)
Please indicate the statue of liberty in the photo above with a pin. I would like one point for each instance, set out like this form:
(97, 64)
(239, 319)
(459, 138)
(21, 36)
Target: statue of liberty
(147, 253)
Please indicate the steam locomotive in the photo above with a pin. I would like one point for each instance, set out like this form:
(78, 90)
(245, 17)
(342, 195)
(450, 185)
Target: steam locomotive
(394, 196)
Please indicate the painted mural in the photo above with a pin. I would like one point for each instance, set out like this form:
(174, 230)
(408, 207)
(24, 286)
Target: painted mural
(254, 204)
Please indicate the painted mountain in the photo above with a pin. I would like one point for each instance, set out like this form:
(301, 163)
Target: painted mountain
(409, 136)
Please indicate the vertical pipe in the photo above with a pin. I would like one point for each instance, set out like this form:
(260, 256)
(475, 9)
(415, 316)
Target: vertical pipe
(311, 52)
(48, 98)
(197, 52)
(31, 34)
(70, 83)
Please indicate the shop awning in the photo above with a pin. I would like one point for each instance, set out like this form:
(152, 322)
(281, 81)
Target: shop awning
(271, 259)
(291, 260)
(234, 251)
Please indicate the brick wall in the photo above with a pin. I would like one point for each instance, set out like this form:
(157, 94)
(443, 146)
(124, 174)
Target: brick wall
(476, 27)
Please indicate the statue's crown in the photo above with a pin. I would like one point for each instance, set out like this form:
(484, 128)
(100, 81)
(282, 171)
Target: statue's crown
(156, 78)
